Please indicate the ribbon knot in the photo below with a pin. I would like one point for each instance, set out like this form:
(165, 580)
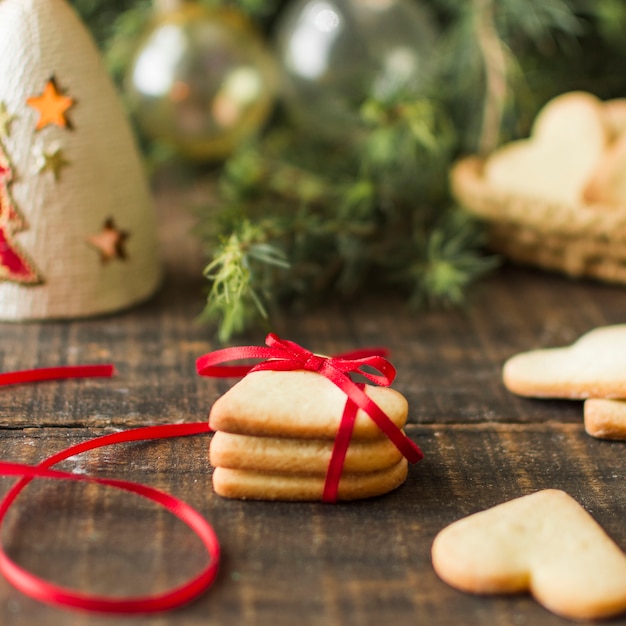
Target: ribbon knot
(283, 355)
(314, 363)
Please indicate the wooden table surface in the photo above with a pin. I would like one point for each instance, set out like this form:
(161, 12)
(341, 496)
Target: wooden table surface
(363, 563)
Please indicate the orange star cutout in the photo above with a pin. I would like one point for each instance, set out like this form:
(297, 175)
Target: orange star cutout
(52, 106)
(110, 242)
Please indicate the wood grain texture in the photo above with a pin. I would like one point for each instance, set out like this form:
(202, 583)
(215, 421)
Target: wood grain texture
(358, 564)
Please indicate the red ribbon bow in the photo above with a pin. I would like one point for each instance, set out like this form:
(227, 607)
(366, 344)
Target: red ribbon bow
(283, 355)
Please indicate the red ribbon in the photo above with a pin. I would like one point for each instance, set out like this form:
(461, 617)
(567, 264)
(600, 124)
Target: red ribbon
(49, 593)
(283, 355)
(56, 373)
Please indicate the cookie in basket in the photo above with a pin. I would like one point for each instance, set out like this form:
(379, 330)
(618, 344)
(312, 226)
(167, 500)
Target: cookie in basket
(614, 112)
(556, 200)
(607, 184)
(568, 139)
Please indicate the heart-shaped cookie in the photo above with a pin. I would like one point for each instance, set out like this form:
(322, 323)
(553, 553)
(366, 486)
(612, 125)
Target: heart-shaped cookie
(606, 419)
(615, 116)
(607, 185)
(298, 404)
(544, 543)
(592, 367)
(568, 138)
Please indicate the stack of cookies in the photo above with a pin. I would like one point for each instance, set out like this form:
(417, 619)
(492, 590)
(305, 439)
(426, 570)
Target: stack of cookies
(275, 431)
(593, 369)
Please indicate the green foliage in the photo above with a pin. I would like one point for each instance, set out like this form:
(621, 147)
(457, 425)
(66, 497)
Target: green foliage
(240, 276)
(447, 262)
(102, 15)
(541, 48)
(329, 222)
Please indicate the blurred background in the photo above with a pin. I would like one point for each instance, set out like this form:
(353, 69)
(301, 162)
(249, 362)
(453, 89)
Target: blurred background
(328, 128)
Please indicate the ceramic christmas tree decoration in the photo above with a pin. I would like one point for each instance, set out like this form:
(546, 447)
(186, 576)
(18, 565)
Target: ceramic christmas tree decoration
(78, 232)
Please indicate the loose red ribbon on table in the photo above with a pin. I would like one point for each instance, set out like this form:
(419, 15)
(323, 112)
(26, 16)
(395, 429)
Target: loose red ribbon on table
(60, 372)
(49, 593)
(283, 355)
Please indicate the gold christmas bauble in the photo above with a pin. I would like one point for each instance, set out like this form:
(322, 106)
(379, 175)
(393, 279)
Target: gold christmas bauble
(333, 54)
(202, 81)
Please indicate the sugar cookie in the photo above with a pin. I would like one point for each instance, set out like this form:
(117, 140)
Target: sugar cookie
(614, 112)
(592, 367)
(555, 163)
(298, 404)
(605, 419)
(607, 184)
(298, 456)
(545, 543)
(249, 484)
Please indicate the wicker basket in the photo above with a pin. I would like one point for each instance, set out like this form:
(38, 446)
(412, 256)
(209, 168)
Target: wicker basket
(580, 241)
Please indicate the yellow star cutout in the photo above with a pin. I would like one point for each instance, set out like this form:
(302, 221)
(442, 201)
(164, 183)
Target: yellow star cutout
(110, 242)
(52, 106)
(6, 119)
(52, 161)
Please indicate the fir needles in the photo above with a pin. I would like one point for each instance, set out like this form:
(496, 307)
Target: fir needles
(302, 220)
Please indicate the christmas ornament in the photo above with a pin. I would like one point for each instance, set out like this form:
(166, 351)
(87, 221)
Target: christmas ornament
(202, 81)
(73, 166)
(14, 264)
(336, 53)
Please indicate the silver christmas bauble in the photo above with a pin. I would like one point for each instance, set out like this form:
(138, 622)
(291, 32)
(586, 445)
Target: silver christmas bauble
(335, 53)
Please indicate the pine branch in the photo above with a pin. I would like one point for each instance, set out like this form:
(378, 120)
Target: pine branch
(238, 273)
(451, 259)
(340, 228)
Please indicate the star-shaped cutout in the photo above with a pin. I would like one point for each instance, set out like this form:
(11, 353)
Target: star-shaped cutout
(110, 242)
(6, 119)
(52, 106)
(52, 161)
